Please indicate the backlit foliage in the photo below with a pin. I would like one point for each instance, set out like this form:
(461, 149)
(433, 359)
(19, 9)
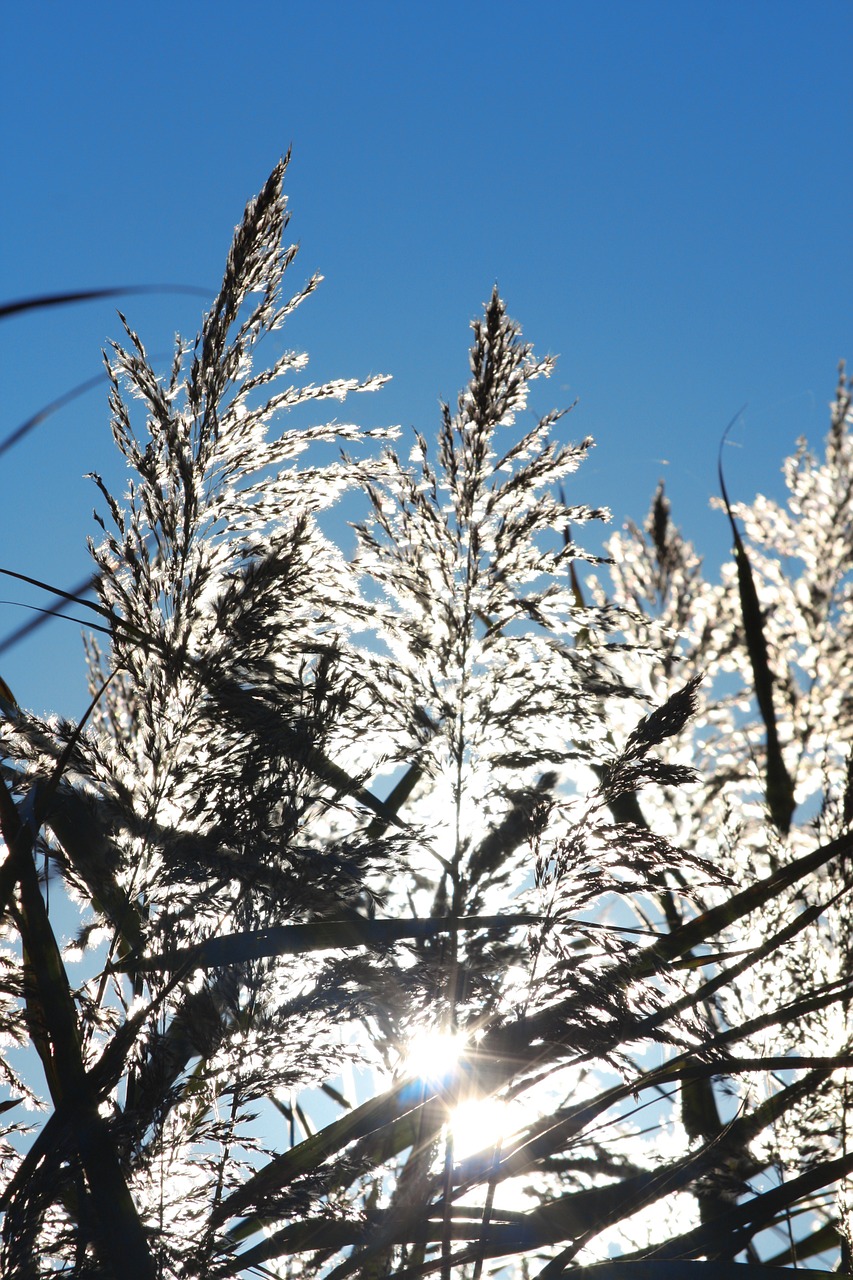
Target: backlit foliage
(467, 782)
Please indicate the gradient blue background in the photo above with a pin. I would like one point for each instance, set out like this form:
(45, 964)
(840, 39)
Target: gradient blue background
(661, 191)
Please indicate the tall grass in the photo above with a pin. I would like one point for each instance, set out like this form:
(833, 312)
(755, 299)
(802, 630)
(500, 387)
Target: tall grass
(471, 786)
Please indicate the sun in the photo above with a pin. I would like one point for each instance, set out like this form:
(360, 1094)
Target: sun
(476, 1121)
(436, 1057)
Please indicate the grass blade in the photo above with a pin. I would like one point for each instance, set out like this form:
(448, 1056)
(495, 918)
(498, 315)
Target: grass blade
(319, 935)
(779, 788)
(38, 302)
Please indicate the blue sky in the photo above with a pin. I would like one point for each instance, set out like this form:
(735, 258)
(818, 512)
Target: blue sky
(661, 191)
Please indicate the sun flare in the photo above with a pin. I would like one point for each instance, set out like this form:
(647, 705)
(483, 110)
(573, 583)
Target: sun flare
(480, 1124)
(434, 1056)
(476, 1122)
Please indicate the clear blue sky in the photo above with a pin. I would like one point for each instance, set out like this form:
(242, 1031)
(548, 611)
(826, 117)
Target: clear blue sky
(661, 190)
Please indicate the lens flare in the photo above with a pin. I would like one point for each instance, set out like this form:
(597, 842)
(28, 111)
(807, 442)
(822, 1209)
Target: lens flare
(477, 1122)
(434, 1056)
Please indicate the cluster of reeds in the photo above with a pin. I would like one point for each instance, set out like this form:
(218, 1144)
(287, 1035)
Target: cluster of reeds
(471, 787)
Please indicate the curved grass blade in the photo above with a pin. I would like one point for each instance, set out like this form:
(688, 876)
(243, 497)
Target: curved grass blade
(74, 596)
(779, 788)
(282, 1169)
(47, 411)
(36, 419)
(320, 935)
(824, 1239)
(44, 300)
(691, 1270)
(239, 699)
(43, 615)
(681, 941)
(729, 1234)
